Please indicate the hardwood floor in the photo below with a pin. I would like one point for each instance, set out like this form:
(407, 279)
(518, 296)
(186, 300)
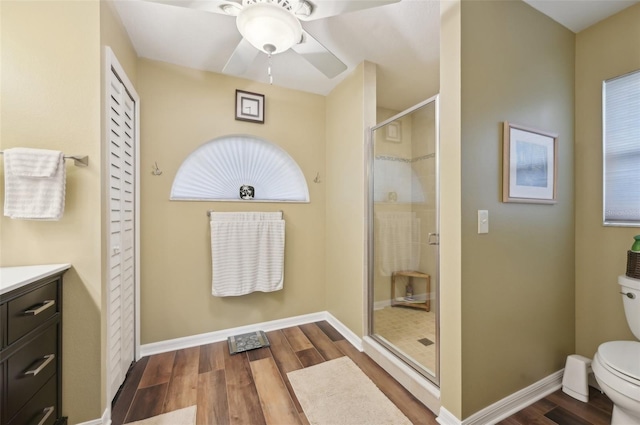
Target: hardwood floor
(559, 408)
(252, 388)
(242, 389)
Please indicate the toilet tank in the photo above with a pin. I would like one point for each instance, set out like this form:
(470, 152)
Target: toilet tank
(631, 304)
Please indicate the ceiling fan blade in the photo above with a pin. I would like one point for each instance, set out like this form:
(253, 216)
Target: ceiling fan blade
(326, 8)
(241, 58)
(214, 6)
(318, 55)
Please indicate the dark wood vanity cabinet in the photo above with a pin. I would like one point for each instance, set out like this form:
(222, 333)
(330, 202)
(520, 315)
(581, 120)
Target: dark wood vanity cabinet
(31, 353)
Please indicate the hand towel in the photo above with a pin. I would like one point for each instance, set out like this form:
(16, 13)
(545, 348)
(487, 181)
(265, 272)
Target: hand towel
(34, 184)
(247, 252)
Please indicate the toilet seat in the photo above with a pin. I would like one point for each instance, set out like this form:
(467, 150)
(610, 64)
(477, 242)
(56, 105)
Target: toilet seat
(622, 358)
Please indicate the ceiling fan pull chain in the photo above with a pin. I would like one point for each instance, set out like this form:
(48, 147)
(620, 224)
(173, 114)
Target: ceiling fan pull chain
(269, 71)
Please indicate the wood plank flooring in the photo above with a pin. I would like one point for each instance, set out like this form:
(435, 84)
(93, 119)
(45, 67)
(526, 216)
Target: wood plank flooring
(252, 388)
(249, 388)
(559, 408)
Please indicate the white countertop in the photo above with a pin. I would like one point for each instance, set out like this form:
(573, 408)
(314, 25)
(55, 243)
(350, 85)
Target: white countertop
(14, 277)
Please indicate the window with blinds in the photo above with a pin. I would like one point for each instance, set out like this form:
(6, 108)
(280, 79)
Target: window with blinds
(621, 148)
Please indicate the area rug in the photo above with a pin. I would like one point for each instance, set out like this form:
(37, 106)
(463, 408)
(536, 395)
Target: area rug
(337, 392)
(186, 416)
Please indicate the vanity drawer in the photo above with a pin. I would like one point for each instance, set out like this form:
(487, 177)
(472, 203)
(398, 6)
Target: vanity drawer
(3, 320)
(2, 397)
(29, 368)
(30, 310)
(41, 409)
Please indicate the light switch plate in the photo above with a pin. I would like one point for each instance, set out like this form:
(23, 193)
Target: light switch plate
(483, 221)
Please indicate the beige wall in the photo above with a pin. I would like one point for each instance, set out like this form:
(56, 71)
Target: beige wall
(350, 112)
(181, 109)
(603, 51)
(450, 207)
(517, 280)
(114, 35)
(51, 99)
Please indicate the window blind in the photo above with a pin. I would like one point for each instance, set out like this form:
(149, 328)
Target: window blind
(621, 147)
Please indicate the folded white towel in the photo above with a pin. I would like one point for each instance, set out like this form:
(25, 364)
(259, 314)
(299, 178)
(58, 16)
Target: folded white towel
(34, 184)
(247, 251)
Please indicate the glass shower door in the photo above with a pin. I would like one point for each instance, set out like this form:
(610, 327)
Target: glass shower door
(403, 234)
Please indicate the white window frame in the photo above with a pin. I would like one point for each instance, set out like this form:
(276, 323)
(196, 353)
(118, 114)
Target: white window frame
(617, 147)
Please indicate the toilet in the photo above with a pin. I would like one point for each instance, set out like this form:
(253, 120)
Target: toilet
(616, 364)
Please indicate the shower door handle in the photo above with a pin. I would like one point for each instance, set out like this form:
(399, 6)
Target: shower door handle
(433, 239)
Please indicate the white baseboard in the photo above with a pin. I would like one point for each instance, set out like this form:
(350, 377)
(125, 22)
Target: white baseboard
(222, 335)
(508, 405)
(350, 336)
(104, 420)
(447, 418)
(379, 305)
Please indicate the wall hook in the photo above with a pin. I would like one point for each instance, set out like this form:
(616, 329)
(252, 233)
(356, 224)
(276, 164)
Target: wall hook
(156, 171)
(317, 179)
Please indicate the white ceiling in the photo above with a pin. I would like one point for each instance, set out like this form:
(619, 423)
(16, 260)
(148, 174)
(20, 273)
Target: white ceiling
(580, 14)
(401, 38)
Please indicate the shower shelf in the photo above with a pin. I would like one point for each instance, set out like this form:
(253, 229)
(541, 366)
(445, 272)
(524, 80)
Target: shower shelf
(410, 274)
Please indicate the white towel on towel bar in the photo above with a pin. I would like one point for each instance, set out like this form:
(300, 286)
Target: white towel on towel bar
(34, 183)
(247, 253)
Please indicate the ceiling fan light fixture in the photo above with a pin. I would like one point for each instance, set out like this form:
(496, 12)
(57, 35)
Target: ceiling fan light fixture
(268, 27)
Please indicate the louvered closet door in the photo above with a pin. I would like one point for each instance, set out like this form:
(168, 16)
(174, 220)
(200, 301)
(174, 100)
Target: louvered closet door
(121, 229)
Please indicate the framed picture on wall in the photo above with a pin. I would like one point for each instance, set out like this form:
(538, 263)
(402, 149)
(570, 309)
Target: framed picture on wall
(529, 165)
(249, 106)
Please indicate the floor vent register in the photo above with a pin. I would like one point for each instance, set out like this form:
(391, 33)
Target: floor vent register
(248, 341)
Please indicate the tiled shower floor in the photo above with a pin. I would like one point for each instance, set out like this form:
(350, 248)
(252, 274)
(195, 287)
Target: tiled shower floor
(404, 328)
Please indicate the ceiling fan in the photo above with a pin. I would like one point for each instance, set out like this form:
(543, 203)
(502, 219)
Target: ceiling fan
(274, 26)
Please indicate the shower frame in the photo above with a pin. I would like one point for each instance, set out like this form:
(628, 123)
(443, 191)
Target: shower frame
(435, 377)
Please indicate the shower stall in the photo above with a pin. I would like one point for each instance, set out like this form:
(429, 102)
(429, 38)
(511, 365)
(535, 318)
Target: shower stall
(404, 237)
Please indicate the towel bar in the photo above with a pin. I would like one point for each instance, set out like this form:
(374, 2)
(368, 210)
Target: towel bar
(78, 161)
(212, 211)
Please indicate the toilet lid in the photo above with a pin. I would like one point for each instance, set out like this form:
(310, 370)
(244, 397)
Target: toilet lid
(622, 356)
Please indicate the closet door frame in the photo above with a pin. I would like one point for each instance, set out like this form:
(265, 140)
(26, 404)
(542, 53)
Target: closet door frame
(112, 66)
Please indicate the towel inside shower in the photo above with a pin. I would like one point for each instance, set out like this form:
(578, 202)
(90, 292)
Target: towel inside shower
(247, 253)
(397, 241)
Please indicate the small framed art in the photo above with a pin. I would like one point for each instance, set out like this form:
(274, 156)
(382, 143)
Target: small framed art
(529, 166)
(249, 106)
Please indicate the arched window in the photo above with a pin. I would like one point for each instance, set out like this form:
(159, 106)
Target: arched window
(218, 169)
